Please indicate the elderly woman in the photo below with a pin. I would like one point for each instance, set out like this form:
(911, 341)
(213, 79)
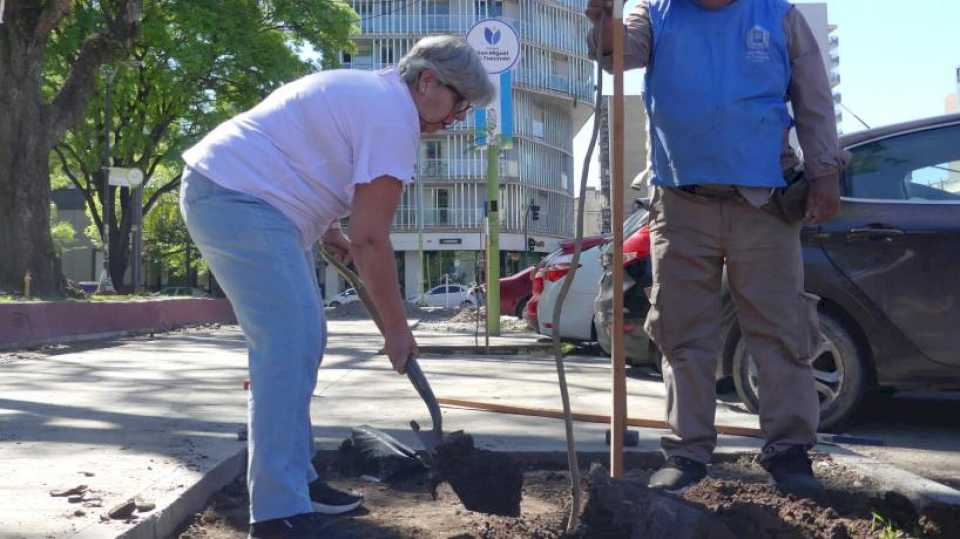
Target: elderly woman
(262, 188)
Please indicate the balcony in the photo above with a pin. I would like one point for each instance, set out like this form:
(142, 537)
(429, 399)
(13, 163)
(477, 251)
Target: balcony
(405, 218)
(454, 169)
(460, 23)
(554, 83)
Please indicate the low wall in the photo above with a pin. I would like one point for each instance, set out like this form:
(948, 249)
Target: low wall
(32, 324)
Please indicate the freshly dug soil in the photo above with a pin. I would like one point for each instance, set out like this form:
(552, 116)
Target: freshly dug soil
(485, 481)
(735, 495)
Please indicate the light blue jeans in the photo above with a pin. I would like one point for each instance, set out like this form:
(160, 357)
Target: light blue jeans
(256, 254)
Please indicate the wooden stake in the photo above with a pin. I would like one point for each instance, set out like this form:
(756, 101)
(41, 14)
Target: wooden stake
(619, 389)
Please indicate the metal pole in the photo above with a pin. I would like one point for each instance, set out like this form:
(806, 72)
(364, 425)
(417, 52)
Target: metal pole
(493, 236)
(618, 418)
(420, 286)
(526, 240)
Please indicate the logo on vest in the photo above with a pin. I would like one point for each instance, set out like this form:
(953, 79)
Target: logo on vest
(758, 44)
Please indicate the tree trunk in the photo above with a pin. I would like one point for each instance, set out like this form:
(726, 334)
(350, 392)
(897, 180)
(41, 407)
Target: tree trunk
(25, 145)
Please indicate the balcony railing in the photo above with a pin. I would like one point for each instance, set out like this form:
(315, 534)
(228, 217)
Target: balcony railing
(555, 83)
(460, 23)
(443, 169)
(406, 218)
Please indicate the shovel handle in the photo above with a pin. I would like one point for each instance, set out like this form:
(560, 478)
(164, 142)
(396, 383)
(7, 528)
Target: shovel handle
(414, 373)
(422, 386)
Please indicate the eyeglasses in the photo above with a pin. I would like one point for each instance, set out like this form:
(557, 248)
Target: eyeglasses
(460, 105)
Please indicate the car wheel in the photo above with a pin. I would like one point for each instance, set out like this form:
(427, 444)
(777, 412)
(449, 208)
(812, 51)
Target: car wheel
(838, 369)
(334, 303)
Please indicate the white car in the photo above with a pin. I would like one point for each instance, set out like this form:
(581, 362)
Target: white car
(576, 317)
(347, 296)
(448, 295)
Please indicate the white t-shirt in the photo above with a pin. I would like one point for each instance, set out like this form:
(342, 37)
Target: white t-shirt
(305, 147)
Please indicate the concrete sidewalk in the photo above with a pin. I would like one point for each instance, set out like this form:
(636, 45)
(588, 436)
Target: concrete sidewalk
(158, 418)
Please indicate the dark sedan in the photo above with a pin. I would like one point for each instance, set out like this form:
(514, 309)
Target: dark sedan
(886, 269)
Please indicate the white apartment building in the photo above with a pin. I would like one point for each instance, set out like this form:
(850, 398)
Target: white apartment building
(552, 93)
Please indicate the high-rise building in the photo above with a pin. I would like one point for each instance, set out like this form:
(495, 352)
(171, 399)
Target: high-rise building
(552, 95)
(816, 16)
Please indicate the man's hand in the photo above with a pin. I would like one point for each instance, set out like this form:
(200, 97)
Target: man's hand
(823, 199)
(400, 347)
(337, 244)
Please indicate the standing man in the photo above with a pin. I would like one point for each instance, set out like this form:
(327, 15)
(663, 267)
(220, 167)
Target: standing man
(718, 75)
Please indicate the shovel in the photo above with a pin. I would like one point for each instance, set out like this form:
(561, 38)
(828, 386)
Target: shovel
(432, 438)
(484, 481)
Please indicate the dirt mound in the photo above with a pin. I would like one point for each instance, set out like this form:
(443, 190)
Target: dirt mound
(470, 320)
(751, 510)
(356, 311)
(734, 500)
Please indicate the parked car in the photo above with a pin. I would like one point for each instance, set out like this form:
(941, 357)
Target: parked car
(885, 270)
(347, 296)
(449, 295)
(515, 291)
(576, 322)
(637, 277)
(182, 291)
(537, 277)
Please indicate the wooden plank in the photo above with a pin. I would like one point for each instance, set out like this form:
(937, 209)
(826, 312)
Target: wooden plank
(584, 418)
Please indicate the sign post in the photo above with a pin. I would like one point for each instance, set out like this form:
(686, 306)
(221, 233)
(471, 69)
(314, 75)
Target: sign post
(498, 46)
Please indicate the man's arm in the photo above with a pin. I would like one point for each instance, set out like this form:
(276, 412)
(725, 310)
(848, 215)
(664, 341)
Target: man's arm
(815, 119)
(812, 101)
(638, 37)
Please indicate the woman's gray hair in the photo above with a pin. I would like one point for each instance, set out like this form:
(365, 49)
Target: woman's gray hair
(454, 62)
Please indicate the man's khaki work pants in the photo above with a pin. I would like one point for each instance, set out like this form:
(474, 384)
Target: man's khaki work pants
(692, 237)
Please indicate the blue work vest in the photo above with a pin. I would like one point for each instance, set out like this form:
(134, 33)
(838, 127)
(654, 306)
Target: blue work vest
(715, 91)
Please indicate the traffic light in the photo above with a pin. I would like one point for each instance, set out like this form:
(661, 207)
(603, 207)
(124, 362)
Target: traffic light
(531, 245)
(534, 212)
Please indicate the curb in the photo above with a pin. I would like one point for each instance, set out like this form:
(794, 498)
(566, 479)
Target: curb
(10, 346)
(921, 491)
(164, 522)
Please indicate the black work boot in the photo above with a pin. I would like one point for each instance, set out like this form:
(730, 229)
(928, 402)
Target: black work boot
(303, 526)
(792, 473)
(677, 474)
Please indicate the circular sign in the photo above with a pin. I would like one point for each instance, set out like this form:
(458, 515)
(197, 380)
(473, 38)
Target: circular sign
(497, 43)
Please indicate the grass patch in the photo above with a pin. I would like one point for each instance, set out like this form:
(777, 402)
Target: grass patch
(885, 528)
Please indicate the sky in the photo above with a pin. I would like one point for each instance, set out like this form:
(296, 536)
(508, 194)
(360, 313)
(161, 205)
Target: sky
(897, 63)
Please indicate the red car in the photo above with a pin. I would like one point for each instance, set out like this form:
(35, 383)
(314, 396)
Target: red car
(538, 271)
(515, 291)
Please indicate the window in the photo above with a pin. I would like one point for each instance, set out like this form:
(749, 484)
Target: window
(539, 119)
(443, 205)
(917, 166)
(345, 58)
(489, 8)
(432, 164)
(438, 291)
(386, 54)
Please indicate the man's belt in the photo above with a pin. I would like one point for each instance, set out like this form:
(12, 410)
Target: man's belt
(719, 192)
